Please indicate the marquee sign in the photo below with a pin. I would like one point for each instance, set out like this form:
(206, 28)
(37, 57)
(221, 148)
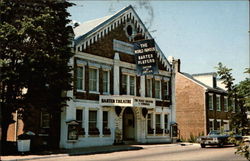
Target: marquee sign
(145, 57)
(126, 101)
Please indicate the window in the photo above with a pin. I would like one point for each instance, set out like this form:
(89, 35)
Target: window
(106, 81)
(218, 106)
(79, 75)
(79, 116)
(158, 121)
(218, 124)
(128, 84)
(166, 123)
(124, 84)
(149, 122)
(210, 102)
(225, 104)
(158, 89)
(211, 124)
(92, 119)
(45, 119)
(226, 125)
(149, 87)
(105, 119)
(165, 89)
(132, 85)
(93, 80)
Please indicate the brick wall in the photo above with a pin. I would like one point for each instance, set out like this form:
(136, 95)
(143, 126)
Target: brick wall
(189, 107)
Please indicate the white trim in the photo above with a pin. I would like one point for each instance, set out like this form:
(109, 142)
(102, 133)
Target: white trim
(83, 78)
(97, 81)
(108, 92)
(225, 99)
(218, 96)
(212, 95)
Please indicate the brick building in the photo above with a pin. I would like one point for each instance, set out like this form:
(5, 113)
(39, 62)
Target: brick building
(201, 106)
(111, 103)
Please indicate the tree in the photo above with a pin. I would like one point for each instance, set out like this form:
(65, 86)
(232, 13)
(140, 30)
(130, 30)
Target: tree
(241, 93)
(35, 51)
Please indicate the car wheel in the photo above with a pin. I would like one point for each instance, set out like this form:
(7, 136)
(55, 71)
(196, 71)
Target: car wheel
(220, 145)
(203, 145)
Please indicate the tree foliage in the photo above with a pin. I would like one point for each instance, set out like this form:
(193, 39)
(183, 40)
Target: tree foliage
(241, 93)
(35, 51)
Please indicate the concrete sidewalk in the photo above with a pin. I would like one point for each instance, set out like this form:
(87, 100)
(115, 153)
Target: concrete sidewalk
(85, 151)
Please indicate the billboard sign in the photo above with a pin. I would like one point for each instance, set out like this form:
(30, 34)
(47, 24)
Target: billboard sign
(145, 57)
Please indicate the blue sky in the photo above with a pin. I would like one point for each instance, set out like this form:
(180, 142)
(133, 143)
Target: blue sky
(200, 33)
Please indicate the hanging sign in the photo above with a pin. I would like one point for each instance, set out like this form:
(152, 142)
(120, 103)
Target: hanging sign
(145, 57)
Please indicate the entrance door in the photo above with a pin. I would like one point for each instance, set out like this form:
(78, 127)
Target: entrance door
(128, 124)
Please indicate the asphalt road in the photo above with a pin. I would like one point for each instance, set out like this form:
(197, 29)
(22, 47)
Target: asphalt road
(161, 153)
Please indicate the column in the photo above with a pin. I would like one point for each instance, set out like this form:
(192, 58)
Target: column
(162, 122)
(153, 121)
(142, 88)
(86, 121)
(116, 74)
(99, 121)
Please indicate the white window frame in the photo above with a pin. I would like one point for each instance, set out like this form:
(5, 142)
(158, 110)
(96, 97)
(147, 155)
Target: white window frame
(83, 78)
(212, 101)
(218, 109)
(97, 80)
(165, 81)
(108, 83)
(96, 121)
(160, 95)
(225, 104)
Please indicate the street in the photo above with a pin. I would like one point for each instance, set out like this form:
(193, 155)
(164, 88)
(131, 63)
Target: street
(161, 152)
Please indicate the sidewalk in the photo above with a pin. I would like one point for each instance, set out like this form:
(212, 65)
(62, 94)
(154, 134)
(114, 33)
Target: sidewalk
(84, 151)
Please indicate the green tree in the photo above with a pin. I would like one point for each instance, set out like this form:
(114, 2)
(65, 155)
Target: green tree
(241, 93)
(35, 51)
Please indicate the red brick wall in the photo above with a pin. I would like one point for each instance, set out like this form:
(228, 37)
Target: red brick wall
(189, 107)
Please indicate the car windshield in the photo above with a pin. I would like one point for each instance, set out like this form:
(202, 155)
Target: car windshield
(214, 132)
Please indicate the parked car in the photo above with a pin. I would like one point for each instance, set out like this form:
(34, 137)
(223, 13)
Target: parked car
(215, 137)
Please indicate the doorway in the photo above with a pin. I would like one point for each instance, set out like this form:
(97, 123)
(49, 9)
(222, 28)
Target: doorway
(128, 124)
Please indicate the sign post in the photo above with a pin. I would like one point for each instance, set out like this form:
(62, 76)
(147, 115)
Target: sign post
(145, 57)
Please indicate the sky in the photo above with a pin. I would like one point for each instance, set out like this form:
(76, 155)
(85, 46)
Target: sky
(199, 33)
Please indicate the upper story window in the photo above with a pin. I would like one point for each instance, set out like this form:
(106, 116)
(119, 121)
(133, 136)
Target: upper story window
(93, 80)
(225, 104)
(128, 85)
(218, 104)
(106, 80)
(233, 105)
(132, 85)
(165, 87)
(148, 87)
(210, 102)
(158, 89)
(80, 78)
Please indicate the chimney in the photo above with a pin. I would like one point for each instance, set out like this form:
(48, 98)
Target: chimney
(177, 65)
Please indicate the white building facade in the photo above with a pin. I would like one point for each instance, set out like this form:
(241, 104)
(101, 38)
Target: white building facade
(111, 103)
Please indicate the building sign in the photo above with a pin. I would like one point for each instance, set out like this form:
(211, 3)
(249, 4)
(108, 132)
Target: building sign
(126, 101)
(145, 57)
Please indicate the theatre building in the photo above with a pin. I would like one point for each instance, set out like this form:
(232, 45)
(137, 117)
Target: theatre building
(111, 103)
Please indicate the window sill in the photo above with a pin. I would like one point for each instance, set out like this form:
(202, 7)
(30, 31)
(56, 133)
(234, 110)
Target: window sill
(94, 92)
(82, 91)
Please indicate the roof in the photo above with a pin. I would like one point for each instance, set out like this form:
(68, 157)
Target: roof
(201, 74)
(91, 31)
(208, 88)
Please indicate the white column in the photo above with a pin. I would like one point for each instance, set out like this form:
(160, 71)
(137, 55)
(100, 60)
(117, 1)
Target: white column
(142, 88)
(153, 120)
(116, 74)
(99, 121)
(162, 121)
(86, 121)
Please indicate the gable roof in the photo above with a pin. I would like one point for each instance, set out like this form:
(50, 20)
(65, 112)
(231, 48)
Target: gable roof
(91, 31)
(217, 89)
